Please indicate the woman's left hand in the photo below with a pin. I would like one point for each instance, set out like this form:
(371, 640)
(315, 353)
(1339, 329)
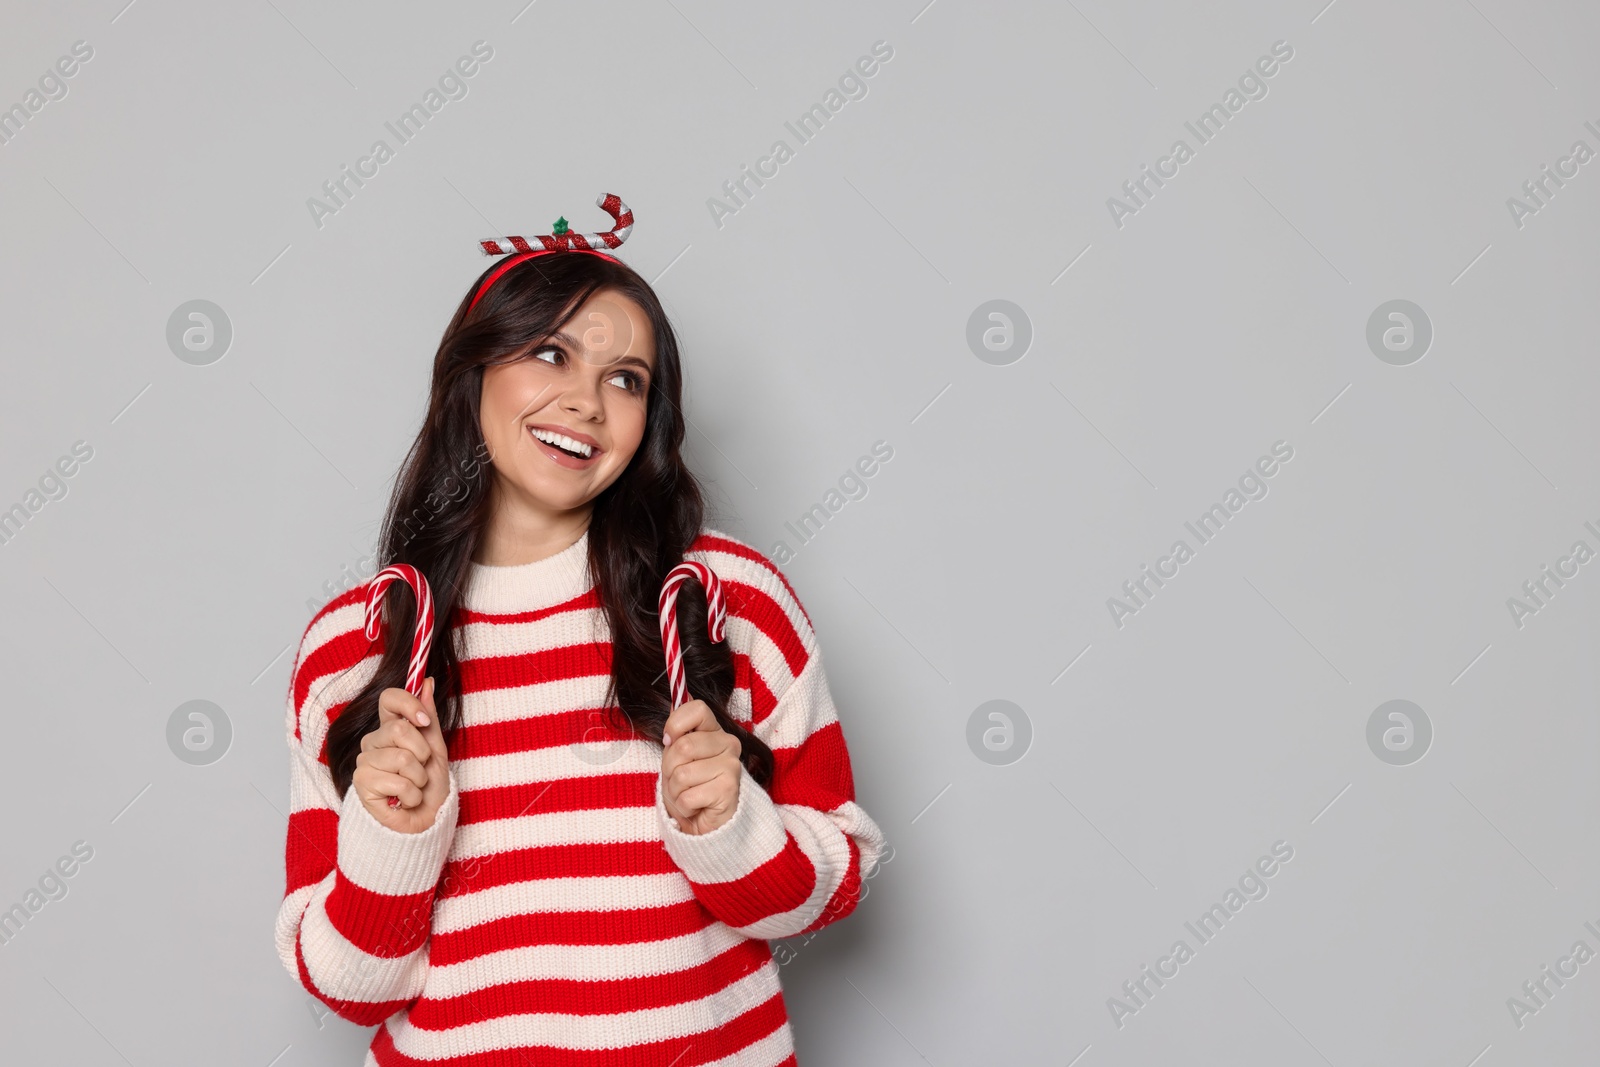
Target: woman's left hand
(699, 769)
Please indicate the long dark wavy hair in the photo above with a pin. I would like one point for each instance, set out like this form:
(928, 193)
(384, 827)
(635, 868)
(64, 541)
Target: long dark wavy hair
(640, 527)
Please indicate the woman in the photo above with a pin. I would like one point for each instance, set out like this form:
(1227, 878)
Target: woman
(575, 872)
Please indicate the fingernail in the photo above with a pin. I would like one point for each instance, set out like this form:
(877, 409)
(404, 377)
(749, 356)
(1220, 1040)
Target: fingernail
(422, 718)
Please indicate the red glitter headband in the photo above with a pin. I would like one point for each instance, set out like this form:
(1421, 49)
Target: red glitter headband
(561, 240)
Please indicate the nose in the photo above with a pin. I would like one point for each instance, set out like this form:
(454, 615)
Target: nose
(582, 397)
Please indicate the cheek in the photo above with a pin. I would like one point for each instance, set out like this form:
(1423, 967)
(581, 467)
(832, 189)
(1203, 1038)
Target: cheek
(497, 388)
(627, 420)
(510, 394)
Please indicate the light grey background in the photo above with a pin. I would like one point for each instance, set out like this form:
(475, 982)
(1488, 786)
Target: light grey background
(829, 313)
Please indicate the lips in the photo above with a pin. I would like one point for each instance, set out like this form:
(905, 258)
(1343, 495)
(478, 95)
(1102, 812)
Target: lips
(567, 448)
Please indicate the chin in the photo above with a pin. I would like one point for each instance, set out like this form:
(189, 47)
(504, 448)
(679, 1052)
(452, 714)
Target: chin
(555, 495)
(558, 501)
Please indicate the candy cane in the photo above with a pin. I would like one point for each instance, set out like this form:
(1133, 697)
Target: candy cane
(613, 205)
(422, 642)
(715, 620)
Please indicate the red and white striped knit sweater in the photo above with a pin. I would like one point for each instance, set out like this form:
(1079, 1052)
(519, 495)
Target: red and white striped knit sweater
(554, 914)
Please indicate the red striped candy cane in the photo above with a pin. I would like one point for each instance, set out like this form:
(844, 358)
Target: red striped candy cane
(613, 205)
(716, 618)
(422, 641)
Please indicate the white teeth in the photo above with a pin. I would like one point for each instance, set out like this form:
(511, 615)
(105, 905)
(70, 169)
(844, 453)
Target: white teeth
(563, 441)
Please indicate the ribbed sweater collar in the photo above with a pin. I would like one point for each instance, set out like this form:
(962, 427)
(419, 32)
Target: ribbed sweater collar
(543, 583)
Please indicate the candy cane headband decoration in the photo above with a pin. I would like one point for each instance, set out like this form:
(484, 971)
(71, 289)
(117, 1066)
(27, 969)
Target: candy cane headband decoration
(422, 640)
(562, 240)
(716, 620)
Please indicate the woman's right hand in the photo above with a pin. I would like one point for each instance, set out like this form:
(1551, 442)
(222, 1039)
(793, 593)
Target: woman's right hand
(404, 757)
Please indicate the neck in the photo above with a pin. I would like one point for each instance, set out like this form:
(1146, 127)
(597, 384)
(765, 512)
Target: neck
(522, 531)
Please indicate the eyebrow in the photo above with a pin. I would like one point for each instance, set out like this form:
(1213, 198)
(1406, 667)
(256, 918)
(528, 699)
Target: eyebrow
(620, 361)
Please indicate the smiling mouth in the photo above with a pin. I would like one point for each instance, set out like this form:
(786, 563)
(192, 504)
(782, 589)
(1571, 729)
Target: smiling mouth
(563, 444)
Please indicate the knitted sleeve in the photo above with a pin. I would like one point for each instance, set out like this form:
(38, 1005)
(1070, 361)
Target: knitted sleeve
(791, 858)
(358, 904)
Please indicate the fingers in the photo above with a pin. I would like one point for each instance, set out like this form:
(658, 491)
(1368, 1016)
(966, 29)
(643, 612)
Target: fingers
(433, 733)
(404, 759)
(701, 745)
(696, 799)
(683, 778)
(438, 770)
(700, 769)
(399, 761)
(375, 784)
(398, 733)
(403, 716)
(395, 702)
(688, 718)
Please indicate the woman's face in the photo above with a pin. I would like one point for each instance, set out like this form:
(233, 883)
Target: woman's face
(583, 389)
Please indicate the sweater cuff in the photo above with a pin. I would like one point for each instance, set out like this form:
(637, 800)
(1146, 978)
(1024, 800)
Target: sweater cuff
(751, 837)
(389, 862)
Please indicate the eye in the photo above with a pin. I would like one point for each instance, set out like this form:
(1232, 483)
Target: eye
(550, 350)
(632, 382)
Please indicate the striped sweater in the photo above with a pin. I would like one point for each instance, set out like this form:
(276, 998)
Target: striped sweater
(554, 914)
